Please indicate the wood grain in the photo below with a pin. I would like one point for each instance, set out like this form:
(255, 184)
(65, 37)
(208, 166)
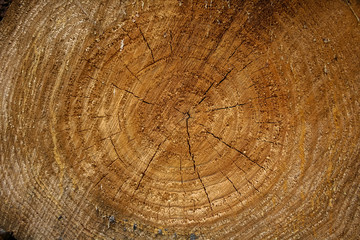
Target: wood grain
(180, 119)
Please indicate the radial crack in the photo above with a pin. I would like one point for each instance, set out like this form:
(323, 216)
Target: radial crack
(147, 43)
(193, 158)
(136, 96)
(189, 139)
(191, 155)
(150, 64)
(117, 154)
(102, 139)
(233, 185)
(207, 195)
(236, 49)
(204, 95)
(202, 99)
(133, 74)
(223, 79)
(228, 107)
(151, 159)
(118, 190)
(229, 146)
(219, 38)
(98, 182)
(252, 184)
(247, 178)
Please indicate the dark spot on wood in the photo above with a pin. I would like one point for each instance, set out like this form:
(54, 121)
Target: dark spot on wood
(193, 236)
(4, 5)
(6, 235)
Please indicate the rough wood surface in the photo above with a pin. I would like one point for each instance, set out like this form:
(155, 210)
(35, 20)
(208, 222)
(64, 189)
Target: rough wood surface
(180, 119)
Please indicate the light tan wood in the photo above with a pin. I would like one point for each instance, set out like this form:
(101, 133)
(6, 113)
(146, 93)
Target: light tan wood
(180, 119)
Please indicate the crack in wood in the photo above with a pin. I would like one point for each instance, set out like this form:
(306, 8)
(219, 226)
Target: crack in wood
(131, 72)
(127, 33)
(117, 154)
(98, 182)
(219, 38)
(178, 110)
(186, 116)
(226, 75)
(147, 43)
(266, 66)
(223, 79)
(112, 162)
(231, 147)
(152, 63)
(254, 83)
(202, 99)
(118, 190)
(192, 156)
(232, 54)
(102, 139)
(206, 193)
(204, 95)
(141, 99)
(228, 107)
(151, 159)
(247, 178)
(136, 96)
(189, 139)
(233, 185)
(252, 184)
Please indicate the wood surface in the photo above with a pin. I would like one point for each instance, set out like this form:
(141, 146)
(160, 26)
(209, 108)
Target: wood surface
(180, 119)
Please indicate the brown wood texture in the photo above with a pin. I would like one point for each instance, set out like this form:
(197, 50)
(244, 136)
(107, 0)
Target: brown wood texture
(180, 119)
